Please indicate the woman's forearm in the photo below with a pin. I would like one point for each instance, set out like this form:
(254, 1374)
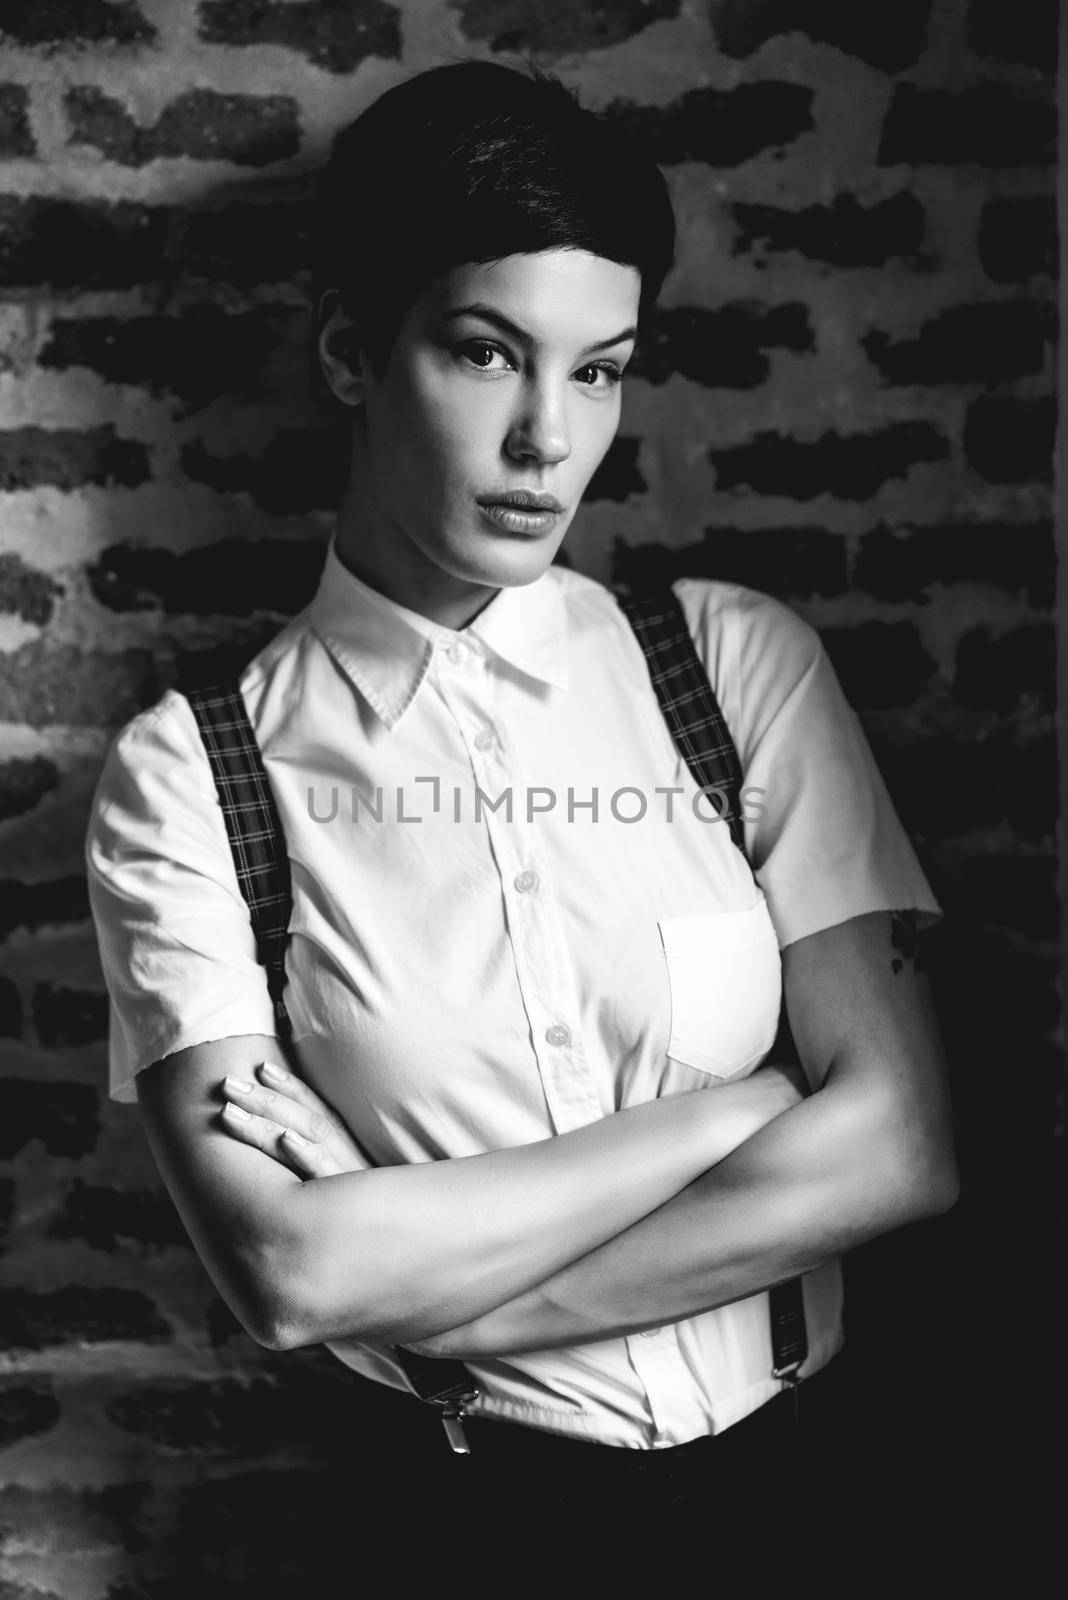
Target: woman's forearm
(400, 1253)
(819, 1180)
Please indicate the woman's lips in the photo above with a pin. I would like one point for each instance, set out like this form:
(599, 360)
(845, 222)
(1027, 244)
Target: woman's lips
(515, 520)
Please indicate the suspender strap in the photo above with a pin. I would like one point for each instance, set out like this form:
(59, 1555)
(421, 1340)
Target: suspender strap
(257, 844)
(252, 827)
(702, 737)
(690, 708)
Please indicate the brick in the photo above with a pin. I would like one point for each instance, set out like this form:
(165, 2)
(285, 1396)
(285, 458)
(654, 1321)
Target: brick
(618, 476)
(211, 664)
(124, 244)
(264, 1535)
(1010, 440)
(110, 1219)
(46, 684)
(75, 22)
(903, 563)
(1026, 35)
(846, 233)
(221, 1325)
(200, 355)
(70, 458)
(32, 1320)
(989, 125)
(26, 1409)
(38, 905)
(1007, 672)
(246, 242)
(879, 664)
(889, 37)
(991, 343)
(721, 126)
(63, 1530)
(332, 34)
(1017, 891)
(25, 592)
(227, 1416)
(80, 243)
(1018, 238)
(10, 1010)
(526, 25)
(24, 782)
(16, 136)
(847, 466)
(246, 129)
(302, 469)
(722, 349)
(233, 578)
(945, 786)
(126, 1508)
(64, 1116)
(68, 1017)
(791, 563)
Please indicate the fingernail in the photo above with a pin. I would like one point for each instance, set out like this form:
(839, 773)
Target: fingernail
(269, 1070)
(294, 1137)
(229, 1109)
(237, 1085)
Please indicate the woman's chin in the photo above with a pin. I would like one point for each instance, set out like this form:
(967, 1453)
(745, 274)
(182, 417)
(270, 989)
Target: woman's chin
(504, 561)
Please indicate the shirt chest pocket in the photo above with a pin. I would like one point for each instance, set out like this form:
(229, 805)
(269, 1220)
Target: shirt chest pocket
(725, 978)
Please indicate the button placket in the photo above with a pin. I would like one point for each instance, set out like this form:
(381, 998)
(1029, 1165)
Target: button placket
(542, 961)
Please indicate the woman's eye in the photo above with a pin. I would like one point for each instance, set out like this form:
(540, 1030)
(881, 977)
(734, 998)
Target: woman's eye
(605, 369)
(475, 349)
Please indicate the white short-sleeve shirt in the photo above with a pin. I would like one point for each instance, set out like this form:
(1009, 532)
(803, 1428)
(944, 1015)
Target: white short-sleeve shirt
(512, 911)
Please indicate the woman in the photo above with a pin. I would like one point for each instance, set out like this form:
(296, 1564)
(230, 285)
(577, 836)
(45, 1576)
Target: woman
(506, 986)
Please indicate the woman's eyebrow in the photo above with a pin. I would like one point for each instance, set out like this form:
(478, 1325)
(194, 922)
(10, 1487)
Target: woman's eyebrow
(506, 325)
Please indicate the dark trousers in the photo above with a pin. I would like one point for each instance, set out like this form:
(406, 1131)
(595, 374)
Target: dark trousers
(823, 1499)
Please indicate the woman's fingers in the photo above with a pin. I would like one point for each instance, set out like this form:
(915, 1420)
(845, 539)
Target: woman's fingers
(306, 1158)
(282, 1101)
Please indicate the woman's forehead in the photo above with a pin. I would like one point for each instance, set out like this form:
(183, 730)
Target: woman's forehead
(549, 294)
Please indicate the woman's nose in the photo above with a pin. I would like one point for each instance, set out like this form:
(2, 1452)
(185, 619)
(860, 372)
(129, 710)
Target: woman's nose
(539, 430)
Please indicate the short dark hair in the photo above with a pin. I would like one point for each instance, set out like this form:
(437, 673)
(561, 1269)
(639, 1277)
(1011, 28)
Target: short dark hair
(471, 162)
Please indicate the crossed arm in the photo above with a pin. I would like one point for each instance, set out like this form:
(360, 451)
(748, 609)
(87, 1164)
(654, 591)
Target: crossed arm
(645, 1217)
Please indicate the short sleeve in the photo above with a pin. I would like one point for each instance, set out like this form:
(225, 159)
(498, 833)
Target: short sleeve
(176, 943)
(822, 835)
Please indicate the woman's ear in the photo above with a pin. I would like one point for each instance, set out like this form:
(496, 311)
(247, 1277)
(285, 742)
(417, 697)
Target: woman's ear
(340, 356)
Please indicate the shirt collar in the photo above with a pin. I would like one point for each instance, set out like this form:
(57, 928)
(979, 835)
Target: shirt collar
(387, 649)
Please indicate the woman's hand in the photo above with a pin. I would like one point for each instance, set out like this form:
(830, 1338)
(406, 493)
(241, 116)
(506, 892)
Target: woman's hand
(286, 1119)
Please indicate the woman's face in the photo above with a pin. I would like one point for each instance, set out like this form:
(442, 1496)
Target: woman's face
(503, 377)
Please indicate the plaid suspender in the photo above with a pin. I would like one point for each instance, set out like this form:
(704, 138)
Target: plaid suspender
(253, 828)
(702, 737)
(257, 844)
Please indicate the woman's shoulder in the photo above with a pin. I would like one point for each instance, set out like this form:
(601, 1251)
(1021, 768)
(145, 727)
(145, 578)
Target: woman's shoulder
(738, 632)
(154, 760)
(755, 617)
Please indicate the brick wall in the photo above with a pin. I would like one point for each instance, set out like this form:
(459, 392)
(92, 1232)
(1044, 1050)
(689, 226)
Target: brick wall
(848, 401)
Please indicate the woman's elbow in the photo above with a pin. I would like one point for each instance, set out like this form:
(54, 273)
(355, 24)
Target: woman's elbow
(941, 1189)
(926, 1179)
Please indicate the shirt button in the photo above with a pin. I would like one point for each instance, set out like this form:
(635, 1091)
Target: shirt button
(525, 882)
(457, 653)
(651, 1333)
(485, 740)
(558, 1034)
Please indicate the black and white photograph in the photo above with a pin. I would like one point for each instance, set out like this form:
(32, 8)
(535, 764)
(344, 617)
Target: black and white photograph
(532, 714)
